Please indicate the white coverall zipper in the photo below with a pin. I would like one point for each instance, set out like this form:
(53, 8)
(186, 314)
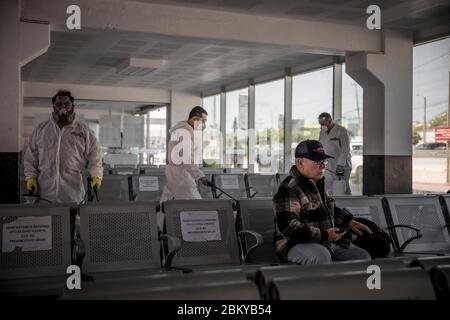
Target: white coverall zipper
(58, 177)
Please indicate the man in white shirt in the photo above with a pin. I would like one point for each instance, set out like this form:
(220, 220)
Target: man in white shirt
(335, 141)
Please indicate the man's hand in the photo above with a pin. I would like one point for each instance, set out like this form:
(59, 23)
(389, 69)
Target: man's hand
(96, 183)
(339, 170)
(204, 181)
(32, 184)
(334, 234)
(356, 227)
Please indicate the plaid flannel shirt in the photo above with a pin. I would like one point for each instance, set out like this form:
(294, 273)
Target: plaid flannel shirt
(303, 213)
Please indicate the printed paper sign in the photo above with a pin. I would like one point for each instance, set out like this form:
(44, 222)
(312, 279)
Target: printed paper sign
(28, 233)
(147, 183)
(360, 212)
(199, 226)
(230, 182)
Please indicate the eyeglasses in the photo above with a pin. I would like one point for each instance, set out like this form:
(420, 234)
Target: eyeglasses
(318, 163)
(60, 105)
(321, 163)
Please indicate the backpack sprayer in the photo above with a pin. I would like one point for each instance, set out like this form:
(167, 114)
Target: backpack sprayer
(32, 198)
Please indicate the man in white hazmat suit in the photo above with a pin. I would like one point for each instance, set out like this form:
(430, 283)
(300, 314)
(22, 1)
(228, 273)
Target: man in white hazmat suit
(184, 157)
(335, 141)
(58, 151)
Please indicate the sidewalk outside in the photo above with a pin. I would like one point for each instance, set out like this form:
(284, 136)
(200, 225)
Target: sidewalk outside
(422, 187)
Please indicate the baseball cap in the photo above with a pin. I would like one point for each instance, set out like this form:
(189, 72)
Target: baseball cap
(311, 149)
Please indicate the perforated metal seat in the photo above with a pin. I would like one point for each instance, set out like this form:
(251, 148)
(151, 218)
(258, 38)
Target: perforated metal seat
(231, 290)
(281, 177)
(142, 167)
(265, 275)
(151, 171)
(427, 263)
(212, 171)
(370, 208)
(148, 187)
(256, 215)
(125, 171)
(223, 249)
(411, 284)
(121, 286)
(440, 275)
(233, 184)
(114, 188)
(39, 269)
(261, 185)
(424, 213)
(445, 204)
(119, 236)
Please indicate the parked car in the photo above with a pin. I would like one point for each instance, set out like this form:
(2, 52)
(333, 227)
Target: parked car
(432, 146)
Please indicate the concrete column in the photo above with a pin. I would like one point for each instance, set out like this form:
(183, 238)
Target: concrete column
(287, 121)
(223, 128)
(337, 91)
(251, 127)
(20, 42)
(387, 102)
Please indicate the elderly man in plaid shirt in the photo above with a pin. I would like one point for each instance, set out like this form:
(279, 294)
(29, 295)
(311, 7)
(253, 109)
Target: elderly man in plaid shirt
(309, 228)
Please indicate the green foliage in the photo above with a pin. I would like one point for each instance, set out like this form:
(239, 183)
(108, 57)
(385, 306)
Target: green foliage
(438, 121)
(415, 137)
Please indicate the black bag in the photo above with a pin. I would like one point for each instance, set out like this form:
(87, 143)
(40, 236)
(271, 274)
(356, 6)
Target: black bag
(378, 244)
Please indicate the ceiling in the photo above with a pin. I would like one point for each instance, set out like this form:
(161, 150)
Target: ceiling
(409, 14)
(90, 57)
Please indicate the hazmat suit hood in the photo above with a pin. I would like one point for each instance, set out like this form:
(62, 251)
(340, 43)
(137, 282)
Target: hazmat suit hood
(181, 125)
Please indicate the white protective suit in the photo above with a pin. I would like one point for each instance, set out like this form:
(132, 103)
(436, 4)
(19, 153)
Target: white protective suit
(336, 144)
(57, 157)
(181, 177)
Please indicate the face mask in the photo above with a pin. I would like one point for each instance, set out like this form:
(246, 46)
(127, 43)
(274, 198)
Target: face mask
(323, 128)
(63, 116)
(199, 125)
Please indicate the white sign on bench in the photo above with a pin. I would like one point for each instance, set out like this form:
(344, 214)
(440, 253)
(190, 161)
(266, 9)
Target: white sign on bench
(199, 226)
(147, 183)
(28, 233)
(229, 182)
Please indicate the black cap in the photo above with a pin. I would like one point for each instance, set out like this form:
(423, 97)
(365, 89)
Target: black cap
(311, 149)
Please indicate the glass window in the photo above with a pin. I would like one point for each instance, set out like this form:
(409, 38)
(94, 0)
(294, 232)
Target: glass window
(312, 94)
(352, 120)
(156, 140)
(269, 126)
(430, 111)
(236, 151)
(211, 136)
